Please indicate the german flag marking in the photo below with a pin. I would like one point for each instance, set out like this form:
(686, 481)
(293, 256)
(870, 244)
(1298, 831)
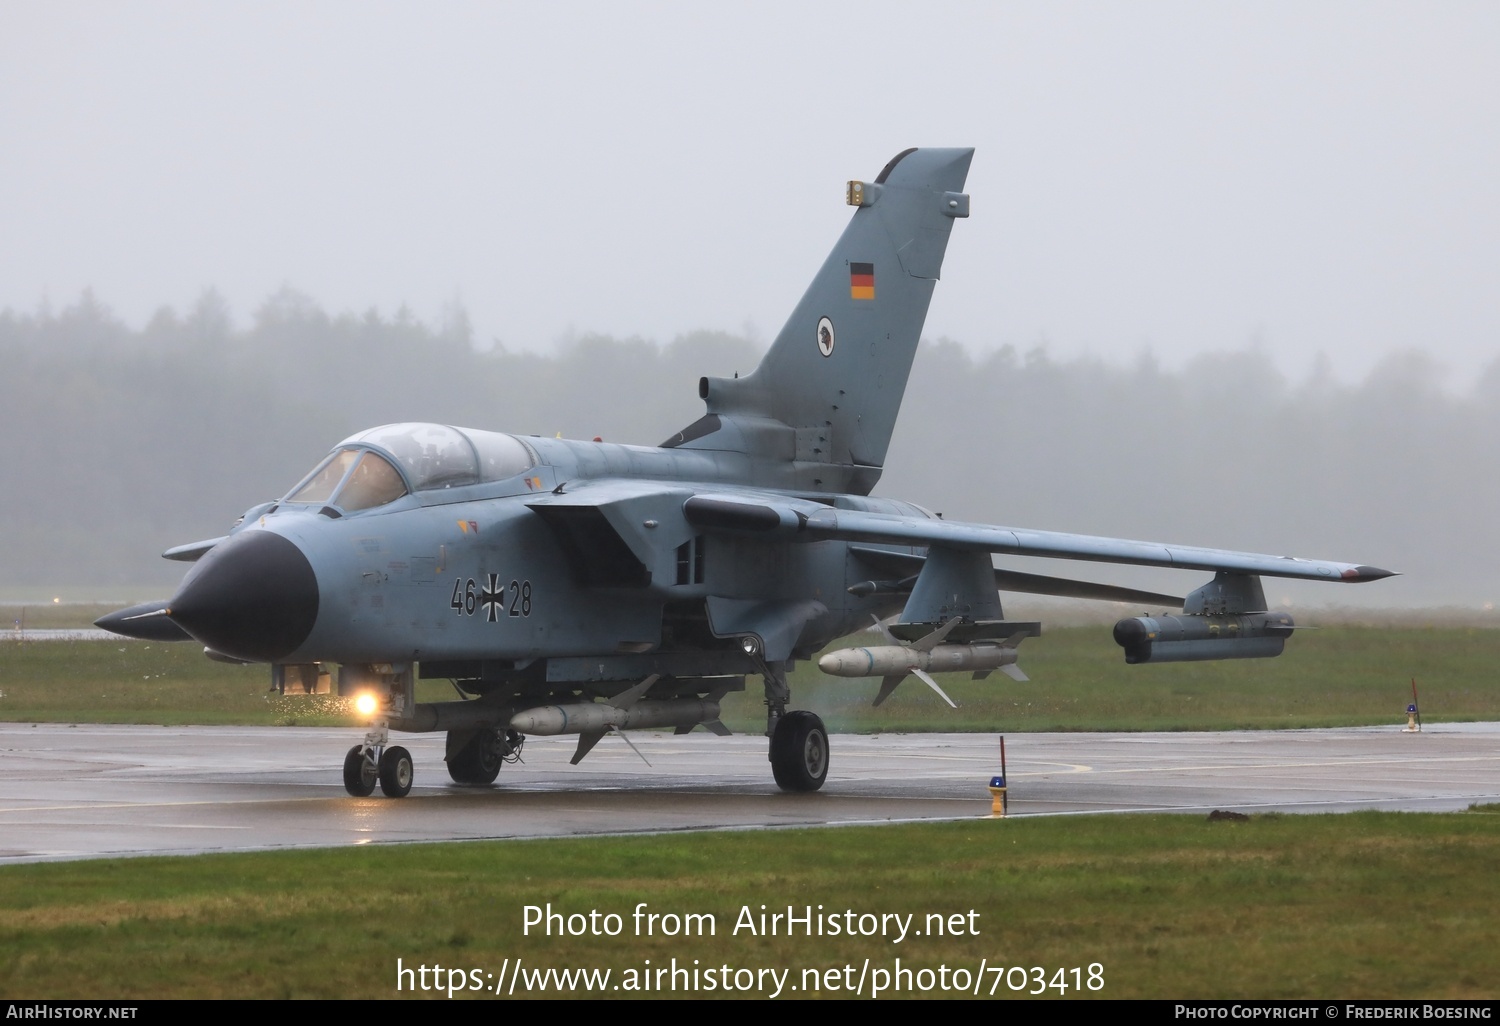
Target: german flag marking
(861, 281)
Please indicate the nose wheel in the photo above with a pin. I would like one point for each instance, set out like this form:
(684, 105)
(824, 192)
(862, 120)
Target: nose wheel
(395, 772)
(360, 772)
(372, 762)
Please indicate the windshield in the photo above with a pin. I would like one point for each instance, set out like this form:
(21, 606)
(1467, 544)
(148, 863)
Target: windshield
(372, 482)
(319, 485)
(351, 480)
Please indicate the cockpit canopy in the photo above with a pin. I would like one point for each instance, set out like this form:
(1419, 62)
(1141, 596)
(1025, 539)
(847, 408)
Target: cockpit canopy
(382, 464)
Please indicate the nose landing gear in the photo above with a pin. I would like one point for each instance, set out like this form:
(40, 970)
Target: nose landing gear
(385, 692)
(372, 761)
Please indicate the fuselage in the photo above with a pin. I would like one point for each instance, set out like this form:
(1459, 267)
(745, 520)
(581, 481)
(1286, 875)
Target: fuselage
(494, 564)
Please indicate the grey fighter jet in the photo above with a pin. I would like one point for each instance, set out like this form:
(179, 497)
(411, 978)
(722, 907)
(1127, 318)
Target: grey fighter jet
(584, 588)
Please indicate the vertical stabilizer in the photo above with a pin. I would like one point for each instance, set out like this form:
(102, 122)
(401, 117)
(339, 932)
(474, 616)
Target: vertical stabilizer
(836, 373)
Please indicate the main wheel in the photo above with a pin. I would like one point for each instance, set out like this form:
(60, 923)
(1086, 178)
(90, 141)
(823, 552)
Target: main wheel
(395, 772)
(799, 752)
(478, 760)
(359, 773)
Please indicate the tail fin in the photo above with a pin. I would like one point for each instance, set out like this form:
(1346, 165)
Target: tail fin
(836, 373)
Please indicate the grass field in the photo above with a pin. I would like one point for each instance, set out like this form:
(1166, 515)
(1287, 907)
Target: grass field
(1362, 905)
(1338, 676)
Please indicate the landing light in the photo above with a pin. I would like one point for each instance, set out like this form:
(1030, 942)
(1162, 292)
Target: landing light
(366, 703)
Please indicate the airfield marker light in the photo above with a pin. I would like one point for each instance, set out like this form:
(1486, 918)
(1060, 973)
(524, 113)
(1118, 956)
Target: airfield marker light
(1413, 713)
(999, 796)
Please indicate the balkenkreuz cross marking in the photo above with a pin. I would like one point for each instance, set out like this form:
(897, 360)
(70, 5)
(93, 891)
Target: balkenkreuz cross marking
(493, 598)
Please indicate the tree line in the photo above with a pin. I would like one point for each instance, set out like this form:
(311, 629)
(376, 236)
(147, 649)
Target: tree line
(120, 441)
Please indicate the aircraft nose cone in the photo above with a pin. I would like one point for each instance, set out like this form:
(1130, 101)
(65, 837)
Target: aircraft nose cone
(253, 597)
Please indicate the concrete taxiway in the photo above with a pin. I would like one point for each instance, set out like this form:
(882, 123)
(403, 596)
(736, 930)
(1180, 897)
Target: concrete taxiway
(86, 791)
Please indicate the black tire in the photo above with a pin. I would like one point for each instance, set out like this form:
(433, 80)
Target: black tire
(359, 773)
(395, 772)
(478, 762)
(799, 752)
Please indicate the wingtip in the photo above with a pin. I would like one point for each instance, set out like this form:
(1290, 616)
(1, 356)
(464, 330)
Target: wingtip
(1361, 574)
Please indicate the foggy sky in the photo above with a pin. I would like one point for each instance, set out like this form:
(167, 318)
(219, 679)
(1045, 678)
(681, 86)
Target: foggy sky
(1305, 177)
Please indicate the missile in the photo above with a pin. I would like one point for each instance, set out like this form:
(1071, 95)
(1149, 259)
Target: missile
(1189, 638)
(592, 720)
(887, 659)
(586, 717)
(892, 663)
(626, 711)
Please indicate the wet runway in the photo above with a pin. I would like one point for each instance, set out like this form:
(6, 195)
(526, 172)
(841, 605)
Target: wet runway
(85, 791)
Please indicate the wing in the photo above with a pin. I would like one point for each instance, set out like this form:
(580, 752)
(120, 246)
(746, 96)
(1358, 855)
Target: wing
(795, 519)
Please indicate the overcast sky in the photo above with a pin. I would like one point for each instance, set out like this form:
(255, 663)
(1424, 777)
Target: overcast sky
(1188, 177)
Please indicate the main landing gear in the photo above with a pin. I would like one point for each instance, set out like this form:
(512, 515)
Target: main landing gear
(475, 756)
(799, 752)
(799, 741)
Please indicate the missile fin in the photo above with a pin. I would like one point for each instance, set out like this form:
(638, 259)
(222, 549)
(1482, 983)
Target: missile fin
(632, 695)
(933, 640)
(887, 685)
(934, 684)
(621, 734)
(981, 674)
(716, 727)
(586, 742)
(1014, 673)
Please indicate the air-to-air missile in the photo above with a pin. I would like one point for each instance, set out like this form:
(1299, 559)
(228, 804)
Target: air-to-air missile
(894, 661)
(581, 717)
(887, 659)
(625, 711)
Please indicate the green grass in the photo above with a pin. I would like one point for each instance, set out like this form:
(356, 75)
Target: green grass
(144, 682)
(1339, 676)
(1362, 905)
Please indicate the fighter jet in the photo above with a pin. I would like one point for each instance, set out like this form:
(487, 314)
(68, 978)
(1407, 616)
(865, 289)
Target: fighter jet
(585, 588)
